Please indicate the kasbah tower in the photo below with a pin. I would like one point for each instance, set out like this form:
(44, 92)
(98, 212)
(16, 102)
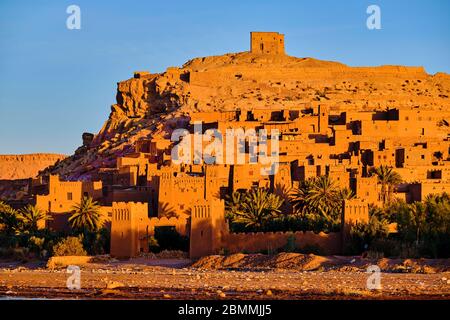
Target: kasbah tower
(333, 120)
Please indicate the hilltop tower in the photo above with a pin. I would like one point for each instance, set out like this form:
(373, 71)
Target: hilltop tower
(266, 43)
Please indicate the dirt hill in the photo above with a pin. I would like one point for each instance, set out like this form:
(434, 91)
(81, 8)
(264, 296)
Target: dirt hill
(311, 262)
(150, 105)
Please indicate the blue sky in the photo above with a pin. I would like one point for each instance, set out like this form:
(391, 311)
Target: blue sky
(57, 83)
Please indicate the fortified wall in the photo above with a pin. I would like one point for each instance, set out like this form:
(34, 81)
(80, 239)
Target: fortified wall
(131, 228)
(209, 233)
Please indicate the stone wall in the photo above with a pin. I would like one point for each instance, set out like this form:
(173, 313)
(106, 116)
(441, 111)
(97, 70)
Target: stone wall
(265, 242)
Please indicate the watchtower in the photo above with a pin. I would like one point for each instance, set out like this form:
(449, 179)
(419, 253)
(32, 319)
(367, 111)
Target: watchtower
(266, 43)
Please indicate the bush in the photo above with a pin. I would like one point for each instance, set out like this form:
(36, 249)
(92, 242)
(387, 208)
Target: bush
(153, 245)
(97, 242)
(169, 239)
(290, 244)
(291, 223)
(70, 246)
(16, 254)
(36, 244)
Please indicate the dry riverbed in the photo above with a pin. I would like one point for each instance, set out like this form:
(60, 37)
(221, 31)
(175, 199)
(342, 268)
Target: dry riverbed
(179, 279)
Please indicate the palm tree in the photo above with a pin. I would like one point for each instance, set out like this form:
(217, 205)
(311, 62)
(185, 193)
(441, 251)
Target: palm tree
(346, 194)
(299, 197)
(418, 211)
(438, 213)
(387, 178)
(30, 216)
(4, 207)
(258, 207)
(8, 218)
(233, 203)
(324, 196)
(86, 216)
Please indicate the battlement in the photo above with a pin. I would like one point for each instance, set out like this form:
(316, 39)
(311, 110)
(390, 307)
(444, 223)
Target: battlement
(127, 204)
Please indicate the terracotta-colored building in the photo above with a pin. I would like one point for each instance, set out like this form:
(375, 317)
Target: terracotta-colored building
(148, 189)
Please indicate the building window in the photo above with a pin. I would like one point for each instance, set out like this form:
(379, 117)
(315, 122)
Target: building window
(69, 196)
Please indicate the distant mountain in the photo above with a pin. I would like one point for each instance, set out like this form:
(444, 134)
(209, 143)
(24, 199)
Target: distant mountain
(23, 166)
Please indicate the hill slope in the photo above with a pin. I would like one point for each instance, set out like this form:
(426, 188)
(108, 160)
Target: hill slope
(152, 104)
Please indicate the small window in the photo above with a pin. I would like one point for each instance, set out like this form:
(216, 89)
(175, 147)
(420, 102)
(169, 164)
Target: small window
(422, 156)
(69, 196)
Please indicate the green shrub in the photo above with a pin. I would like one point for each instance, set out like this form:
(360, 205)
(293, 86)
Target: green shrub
(290, 244)
(96, 242)
(70, 246)
(169, 239)
(153, 245)
(36, 244)
(16, 254)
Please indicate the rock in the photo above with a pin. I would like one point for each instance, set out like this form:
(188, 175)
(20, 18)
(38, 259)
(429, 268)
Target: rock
(114, 285)
(62, 262)
(87, 138)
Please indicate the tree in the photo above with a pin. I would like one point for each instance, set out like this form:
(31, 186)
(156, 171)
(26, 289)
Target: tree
(346, 194)
(8, 218)
(257, 207)
(86, 216)
(324, 197)
(318, 203)
(30, 216)
(299, 197)
(233, 204)
(388, 179)
(418, 213)
(436, 233)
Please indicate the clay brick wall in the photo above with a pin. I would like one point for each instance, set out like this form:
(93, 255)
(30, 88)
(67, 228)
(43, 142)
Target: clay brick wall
(266, 43)
(354, 211)
(128, 226)
(62, 197)
(210, 235)
(259, 242)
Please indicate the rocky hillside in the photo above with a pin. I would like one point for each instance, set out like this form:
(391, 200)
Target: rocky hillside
(152, 104)
(25, 166)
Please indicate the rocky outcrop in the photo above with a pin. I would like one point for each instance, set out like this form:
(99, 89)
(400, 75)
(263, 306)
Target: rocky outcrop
(25, 166)
(150, 105)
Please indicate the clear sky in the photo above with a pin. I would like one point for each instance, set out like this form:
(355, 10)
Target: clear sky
(57, 83)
